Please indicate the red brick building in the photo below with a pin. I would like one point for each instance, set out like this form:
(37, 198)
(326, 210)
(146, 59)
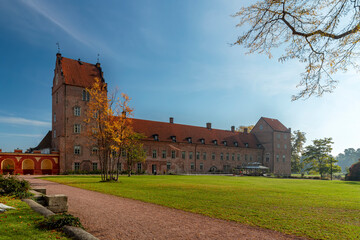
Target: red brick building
(170, 147)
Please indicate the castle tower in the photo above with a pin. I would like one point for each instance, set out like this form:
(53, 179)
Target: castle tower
(69, 103)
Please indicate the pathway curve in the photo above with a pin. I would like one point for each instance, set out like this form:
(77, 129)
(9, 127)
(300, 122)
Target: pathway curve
(109, 217)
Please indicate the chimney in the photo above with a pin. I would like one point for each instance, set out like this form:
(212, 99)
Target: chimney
(233, 128)
(245, 130)
(208, 125)
(17, 151)
(171, 120)
(97, 65)
(58, 55)
(0, 150)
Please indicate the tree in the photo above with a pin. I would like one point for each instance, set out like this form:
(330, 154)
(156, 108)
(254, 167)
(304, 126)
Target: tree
(324, 35)
(106, 127)
(134, 151)
(297, 148)
(331, 167)
(354, 172)
(242, 128)
(347, 158)
(318, 155)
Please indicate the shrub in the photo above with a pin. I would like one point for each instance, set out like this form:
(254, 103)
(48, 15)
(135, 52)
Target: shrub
(58, 221)
(354, 172)
(13, 186)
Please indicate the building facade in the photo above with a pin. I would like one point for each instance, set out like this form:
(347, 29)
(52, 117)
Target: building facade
(170, 147)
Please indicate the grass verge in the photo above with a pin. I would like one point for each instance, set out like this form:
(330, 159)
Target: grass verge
(20, 223)
(310, 208)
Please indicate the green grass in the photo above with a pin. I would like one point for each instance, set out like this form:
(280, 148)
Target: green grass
(20, 223)
(310, 208)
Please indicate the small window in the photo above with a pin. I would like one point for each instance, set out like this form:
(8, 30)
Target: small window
(123, 153)
(77, 166)
(283, 158)
(173, 154)
(197, 155)
(77, 111)
(278, 136)
(201, 166)
(236, 144)
(202, 141)
(119, 166)
(277, 158)
(204, 155)
(278, 145)
(189, 140)
(183, 154)
(57, 97)
(85, 95)
(156, 137)
(95, 166)
(173, 138)
(261, 127)
(221, 156)
(192, 166)
(163, 154)
(225, 143)
(139, 167)
(215, 142)
(54, 133)
(238, 157)
(246, 157)
(267, 157)
(190, 155)
(258, 158)
(251, 158)
(246, 145)
(285, 136)
(168, 166)
(94, 151)
(54, 117)
(285, 146)
(154, 154)
(77, 150)
(233, 157)
(77, 128)
(227, 156)
(213, 156)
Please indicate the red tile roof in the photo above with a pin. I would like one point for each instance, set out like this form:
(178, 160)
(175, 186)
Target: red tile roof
(275, 124)
(182, 132)
(78, 73)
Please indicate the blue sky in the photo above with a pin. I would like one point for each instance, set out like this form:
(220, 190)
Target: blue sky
(171, 57)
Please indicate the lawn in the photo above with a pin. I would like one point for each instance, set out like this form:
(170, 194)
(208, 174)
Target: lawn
(310, 208)
(21, 222)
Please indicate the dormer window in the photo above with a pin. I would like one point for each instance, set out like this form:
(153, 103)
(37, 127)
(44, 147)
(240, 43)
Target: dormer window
(225, 143)
(189, 140)
(246, 144)
(215, 142)
(236, 144)
(202, 141)
(156, 137)
(173, 138)
(259, 145)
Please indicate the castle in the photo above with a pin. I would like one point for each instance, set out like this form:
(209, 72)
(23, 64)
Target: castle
(170, 147)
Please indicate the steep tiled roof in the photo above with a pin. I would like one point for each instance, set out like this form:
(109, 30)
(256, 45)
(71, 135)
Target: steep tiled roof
(78, 73)
(182, 132)
(275, 124)
(45, 142)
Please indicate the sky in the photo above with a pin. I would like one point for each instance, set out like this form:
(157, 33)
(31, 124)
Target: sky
(173, 58)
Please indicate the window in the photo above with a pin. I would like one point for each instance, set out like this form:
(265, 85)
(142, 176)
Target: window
(246, 145)
(238, 157)
(213, 156)
(77, 166)
(189, 140)
(278, 136)
(215, 142)
(259, 158)
(285, 146)
(85, 95)
(221, 156)
(57, 97)
(77, 128)
(173, 138)
(163, 155)
(123, 153)
(77, 111)
(54, 117)
(261, 127)
(277, 158)
(168, 166)
(197, 155)
(285, 136)
(251, 158)
(156, 137)
(227, 156)
(139, 167)
(233, 157)
(173, 154)
(236, 144)
(278, 145)
(246, 157)
(202, 141)
(267, 157)
(77, 150)
(204, 155)
(183, 154)
(154, 154)
(201, 166)
(94, 151)
(95, 166)
(190, 155)
(225, 143)
(192, 166)
(283, 158)
(54, 133)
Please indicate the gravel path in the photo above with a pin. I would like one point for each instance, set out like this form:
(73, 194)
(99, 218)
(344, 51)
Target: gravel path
(109, 217)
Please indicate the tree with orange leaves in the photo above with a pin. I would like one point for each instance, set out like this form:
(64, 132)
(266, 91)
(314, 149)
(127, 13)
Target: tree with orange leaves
(109, 126)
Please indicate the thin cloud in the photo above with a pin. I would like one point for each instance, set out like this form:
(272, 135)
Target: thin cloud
(24, 121)
(45, 13)
(20, 135)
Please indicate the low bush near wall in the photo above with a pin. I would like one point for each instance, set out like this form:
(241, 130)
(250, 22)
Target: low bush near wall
(13, 186)
(58, 221)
